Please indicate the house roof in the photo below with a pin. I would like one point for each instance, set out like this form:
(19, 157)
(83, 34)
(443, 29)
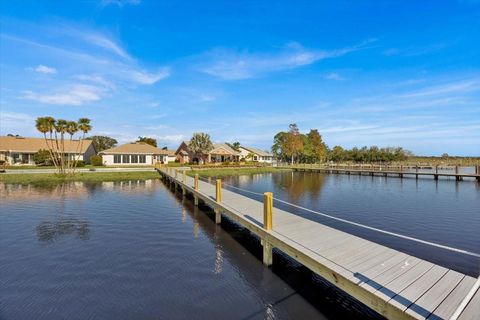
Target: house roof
(180, 146)
(224, 146)
(32, 145)
(258, 151)
(137, 148)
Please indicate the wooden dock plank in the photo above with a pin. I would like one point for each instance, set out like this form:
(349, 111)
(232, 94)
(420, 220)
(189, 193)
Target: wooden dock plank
(472, 311)
(430, 300)
(448, 306)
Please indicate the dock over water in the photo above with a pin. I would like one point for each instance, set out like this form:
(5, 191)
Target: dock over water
(393, 171)
(394, 284)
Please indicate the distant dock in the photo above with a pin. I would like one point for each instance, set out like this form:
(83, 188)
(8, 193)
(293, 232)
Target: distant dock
(394, 171)
(393, 283)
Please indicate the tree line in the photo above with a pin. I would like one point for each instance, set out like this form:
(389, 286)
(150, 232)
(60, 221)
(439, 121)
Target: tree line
(295, 147)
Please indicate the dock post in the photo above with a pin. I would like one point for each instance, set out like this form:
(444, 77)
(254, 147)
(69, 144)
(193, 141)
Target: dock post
(457, 177)
(267, 210)
(218, 189)
(435, 176)
(195, 184)
(176, 173)
(267, 225)
(184, 177)
(267, 253)
(416, 171)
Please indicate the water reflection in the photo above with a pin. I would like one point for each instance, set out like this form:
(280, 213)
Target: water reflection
(49, 231)
(298, 185)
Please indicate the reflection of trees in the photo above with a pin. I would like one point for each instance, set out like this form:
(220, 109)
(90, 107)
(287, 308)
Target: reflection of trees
(297, 184)
(49, 231)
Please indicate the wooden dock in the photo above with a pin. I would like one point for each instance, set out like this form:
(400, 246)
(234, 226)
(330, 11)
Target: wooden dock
(394, 284)
(397, 171)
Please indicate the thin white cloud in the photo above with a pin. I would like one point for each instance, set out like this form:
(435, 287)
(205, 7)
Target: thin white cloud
(102, 41)
(16, 123)
(235, 65)
(334, 76)
(119, 3)
(74, 95)
(96, 79)
(144, 77)
(44, 69)
(206, 98)
(452, 87)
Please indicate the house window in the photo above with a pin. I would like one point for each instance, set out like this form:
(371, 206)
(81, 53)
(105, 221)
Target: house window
(134, 158)
(125, 158)
(255, 158)
(142, 158)
(117, 158)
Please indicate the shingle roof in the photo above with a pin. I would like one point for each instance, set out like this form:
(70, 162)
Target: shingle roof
(258, 151)
(32, 145)
(226, 147)
(138, 148)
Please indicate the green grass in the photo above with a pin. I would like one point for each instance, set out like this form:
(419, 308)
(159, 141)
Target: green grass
(88, 166)
(47, 178)
(223, 172)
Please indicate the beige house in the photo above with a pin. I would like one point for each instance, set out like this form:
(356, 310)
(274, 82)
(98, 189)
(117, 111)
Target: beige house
(136, 153)
(20, 150)
(255, 154)
(220, 153)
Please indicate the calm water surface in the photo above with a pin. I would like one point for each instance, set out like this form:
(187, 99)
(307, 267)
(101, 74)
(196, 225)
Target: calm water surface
(136, 250)
(133, 250)
(446, 212)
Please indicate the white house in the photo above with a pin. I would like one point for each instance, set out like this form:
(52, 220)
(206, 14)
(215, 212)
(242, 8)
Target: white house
(136, 153)
(255, 154)
(20, 150)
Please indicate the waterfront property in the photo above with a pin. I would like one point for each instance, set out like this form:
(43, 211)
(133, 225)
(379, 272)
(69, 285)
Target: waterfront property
(255, 154)
(136, 153)
(20, 150)
(221, 152)
(395, 284)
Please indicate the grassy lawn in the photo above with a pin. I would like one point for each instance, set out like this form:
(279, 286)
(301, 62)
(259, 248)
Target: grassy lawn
(47, 178)
(88, 166)
(223, 172)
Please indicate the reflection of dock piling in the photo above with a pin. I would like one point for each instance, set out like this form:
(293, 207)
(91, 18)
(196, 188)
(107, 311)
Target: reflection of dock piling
(394, 284)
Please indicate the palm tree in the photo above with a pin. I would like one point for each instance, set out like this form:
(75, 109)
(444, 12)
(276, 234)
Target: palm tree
(72, 128)
(45, 125)
(200, 145)
(61, 127)
(84, 126)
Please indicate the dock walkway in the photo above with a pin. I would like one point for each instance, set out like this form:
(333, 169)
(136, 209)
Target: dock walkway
(393, 283)
(388, 171)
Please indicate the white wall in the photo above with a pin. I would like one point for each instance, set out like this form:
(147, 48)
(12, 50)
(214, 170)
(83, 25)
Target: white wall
(244, 153)
(108, 161)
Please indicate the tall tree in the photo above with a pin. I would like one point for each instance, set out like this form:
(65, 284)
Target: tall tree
(55, 142)
(315, 148)
(294, 143)
(200, 144)
(101, 143)
(147, 140)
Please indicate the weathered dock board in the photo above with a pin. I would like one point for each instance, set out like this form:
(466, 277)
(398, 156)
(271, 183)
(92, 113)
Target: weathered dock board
(398, 172)
(394, 284)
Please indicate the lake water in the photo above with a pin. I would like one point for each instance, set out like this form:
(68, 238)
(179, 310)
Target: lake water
(135, 249)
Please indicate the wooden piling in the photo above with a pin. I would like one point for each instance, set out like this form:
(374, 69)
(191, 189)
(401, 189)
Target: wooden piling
(267, 210)
(184, 176)
(218, 191)
(195, 183)
(267, 253)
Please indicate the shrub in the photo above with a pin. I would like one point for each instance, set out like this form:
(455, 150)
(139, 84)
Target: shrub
(79, 163)
(42, 158)
(96, 160)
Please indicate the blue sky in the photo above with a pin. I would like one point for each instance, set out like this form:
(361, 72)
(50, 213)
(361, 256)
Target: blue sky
(386, 73)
